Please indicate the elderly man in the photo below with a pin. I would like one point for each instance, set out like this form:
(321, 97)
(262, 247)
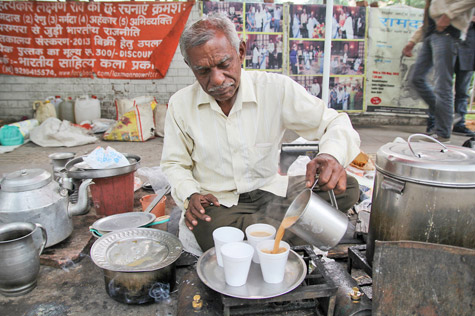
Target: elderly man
(223, 133)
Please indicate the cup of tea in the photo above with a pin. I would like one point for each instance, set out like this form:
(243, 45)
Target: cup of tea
(237, 257)
(273, 264)
(223, 235)
(256, 233)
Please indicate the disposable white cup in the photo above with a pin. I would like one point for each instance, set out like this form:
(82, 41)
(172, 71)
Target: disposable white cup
(237, 257)
(223, 235)
(272, 265)
(254, 240)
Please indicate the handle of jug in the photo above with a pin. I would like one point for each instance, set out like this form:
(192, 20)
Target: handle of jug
(45, 237)
(330, 193)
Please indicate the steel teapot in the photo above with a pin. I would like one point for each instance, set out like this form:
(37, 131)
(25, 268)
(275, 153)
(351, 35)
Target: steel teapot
(31, 195)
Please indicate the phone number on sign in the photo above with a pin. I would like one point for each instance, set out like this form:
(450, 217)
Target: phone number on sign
(33, 72)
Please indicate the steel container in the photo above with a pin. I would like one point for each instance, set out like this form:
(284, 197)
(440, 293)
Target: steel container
(423, 191)
(19, 257)
(138, 264)
(31, 195)
(316, 221)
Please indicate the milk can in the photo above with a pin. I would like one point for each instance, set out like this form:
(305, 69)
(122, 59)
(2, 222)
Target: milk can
(423, 191)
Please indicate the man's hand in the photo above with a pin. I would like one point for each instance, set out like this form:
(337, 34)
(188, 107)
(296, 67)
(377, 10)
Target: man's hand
(442, 23)
(332, 174)
(407, 50)
(196, 209)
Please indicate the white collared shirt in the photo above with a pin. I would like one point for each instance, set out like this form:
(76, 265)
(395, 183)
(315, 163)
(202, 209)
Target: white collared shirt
(208, 152)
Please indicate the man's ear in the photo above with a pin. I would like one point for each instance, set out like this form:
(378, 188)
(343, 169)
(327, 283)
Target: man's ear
(242, 51)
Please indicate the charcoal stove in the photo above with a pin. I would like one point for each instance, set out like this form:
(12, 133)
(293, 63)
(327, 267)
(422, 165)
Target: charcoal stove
(324, 291)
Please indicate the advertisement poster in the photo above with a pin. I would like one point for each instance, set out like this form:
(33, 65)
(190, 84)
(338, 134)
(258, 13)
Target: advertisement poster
(123, 40)
(388, 88)
(347, 61)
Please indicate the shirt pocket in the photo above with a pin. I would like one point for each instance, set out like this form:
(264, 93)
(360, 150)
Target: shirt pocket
(264, 160)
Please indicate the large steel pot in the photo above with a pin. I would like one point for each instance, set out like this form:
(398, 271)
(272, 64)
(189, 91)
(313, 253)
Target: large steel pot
(138, 264)
(31, 195)
(423, 191)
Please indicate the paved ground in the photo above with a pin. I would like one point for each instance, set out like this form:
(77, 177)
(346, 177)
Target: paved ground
(32, 156)
(79, 289)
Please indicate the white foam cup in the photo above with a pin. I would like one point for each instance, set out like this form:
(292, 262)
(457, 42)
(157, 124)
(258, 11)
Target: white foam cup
(254, 240)
(273, 265)
(223, 235)
(237, 257)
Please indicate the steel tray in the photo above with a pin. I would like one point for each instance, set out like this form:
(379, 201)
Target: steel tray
(212, 275)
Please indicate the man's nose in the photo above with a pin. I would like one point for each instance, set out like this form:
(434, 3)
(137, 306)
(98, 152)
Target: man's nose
(217, 77)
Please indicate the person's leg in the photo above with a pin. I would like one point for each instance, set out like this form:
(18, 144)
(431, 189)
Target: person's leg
(462, 82)
(421, 69)
(239, 216)
(444, 50)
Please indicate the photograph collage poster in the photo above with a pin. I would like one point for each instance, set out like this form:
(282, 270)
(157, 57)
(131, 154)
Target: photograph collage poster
(262, 26)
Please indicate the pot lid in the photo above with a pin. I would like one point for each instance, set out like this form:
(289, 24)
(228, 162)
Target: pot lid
(123, 221)
(136, 250)
(431, 163)
(25, 180)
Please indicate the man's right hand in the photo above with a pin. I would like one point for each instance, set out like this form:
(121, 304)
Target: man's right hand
(196, 209)
(407, 50)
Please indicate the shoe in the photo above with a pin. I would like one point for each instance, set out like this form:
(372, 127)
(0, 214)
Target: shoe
(438, 138)
(463, 130)
(430, 131)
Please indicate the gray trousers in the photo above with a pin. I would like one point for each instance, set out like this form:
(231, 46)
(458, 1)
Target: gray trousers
(264, 207)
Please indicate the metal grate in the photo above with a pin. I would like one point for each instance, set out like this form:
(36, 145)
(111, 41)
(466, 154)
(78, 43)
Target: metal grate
(317, 284)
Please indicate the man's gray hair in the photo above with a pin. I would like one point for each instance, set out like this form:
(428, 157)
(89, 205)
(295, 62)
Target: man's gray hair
(205, 29)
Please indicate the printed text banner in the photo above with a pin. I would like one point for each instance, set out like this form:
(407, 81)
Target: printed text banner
(122, 40)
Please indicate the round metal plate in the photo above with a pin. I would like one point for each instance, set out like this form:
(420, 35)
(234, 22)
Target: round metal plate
(212, 275)
(76, 173)
(123, 221)
(136, 250)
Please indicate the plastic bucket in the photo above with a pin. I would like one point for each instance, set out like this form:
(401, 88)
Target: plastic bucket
(159, 209)
(10, 136)
(113, 195)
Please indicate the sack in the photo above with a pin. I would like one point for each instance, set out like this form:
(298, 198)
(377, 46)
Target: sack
(137, 125)
(56, 133)
(159, 114)
(123, 106)
(43, 110)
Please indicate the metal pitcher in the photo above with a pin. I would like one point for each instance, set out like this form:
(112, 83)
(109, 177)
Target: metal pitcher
(316, 221)
(19, 258)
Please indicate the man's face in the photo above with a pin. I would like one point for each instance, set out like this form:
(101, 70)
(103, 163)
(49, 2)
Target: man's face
(217, 67)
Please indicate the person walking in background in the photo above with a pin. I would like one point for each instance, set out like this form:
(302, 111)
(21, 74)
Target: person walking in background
(464, 67)
(445, 23)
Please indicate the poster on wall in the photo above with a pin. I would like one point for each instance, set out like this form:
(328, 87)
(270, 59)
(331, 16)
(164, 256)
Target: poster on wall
(124, 40)
(306, 57)
(264, 51)
(233, 10)
(313, 84)
(347, 61)
(388, 71)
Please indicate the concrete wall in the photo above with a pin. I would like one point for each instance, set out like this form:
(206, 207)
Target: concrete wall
(17, 93)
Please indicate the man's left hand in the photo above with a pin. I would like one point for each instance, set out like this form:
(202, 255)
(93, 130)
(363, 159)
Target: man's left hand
(332, 175)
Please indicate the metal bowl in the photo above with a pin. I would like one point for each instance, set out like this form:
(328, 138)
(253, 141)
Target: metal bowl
(75, 173)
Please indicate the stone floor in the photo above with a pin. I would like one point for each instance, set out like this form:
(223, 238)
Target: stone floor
(77, 287)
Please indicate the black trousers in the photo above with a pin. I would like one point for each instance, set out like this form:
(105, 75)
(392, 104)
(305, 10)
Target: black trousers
(264, 207)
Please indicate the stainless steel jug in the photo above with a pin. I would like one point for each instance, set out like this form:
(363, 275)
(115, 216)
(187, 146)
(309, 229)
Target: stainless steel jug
(19, 258)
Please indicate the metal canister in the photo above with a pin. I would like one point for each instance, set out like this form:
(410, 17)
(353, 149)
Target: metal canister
(423, 191)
